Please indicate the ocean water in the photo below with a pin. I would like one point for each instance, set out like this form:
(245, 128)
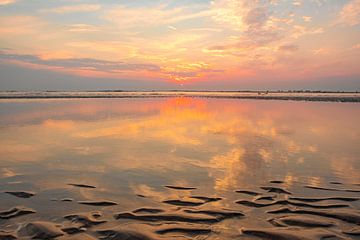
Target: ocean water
(143, 153)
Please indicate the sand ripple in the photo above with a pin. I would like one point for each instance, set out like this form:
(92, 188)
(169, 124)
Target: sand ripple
(126, 234)
(300, 221)
(192, 215)
(98, 203)
(15, 212)
(288, 202)
(40, 230)
(288, 233)
(85, 219)
(350, 216)
(21, 194)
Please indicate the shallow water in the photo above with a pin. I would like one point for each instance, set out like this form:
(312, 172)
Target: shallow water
(145, 153)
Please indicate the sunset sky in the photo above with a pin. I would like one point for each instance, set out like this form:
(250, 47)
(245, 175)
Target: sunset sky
(179, 44)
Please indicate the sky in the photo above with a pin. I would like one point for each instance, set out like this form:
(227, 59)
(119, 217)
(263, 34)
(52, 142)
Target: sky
(180, 44)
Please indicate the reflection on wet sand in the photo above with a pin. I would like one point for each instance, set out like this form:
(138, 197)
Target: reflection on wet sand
(197, 167)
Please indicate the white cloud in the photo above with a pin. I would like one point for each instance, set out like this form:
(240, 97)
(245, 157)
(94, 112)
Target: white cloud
(82, 28)
(297, 3)
(126, 17)
(74, 8)
(307, 18)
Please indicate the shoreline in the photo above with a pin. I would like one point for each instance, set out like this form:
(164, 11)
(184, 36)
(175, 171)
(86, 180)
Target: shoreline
(292, 96)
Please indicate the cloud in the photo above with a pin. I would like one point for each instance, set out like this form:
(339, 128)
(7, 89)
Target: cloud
(243, 15)
(298, 31)
(356, 46)
(6, 2)
(261, 28)
(297, 3)
(321, 51)
(20, 25)
(249, 39)
(74, 8)
(185, 72)
(288, 48)
(307, 18)
(78, 63)
(350, 13)
(254, 20)
(83, 28)
(128, 17)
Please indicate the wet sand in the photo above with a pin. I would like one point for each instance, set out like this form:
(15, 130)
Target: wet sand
(286, 215)
(179, 168)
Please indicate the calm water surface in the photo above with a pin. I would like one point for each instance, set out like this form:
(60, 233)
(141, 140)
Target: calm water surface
(130, 148)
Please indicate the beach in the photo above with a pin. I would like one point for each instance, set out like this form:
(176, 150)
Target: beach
(178, 167)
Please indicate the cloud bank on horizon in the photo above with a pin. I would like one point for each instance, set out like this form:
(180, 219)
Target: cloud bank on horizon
(182, 44)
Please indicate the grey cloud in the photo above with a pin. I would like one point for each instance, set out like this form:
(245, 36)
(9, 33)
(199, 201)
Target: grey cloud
(261, 37)
(189, 74)
(254, 15)
(218, 48)
(95, 64)
(288, 48)
(252, 39)
(257, 16)
(183, 74)
(14, 77)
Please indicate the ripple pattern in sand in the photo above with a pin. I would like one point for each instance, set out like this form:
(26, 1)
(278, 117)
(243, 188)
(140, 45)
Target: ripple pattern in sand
(195, 216)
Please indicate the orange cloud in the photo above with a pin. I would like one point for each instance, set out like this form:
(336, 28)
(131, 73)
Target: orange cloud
(59, 124)
(350, 14)
(6, 2)
(19, 25)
